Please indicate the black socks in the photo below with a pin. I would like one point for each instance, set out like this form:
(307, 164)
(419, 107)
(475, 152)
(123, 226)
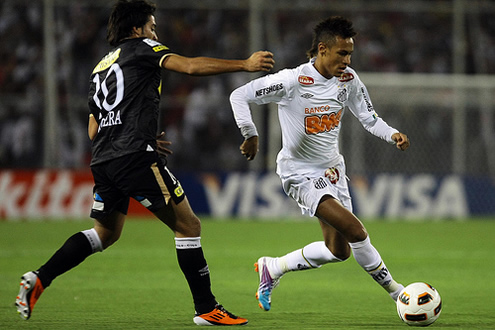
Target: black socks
(195, 269)
(72, 253)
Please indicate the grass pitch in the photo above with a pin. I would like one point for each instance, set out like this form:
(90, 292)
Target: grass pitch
(137, 284)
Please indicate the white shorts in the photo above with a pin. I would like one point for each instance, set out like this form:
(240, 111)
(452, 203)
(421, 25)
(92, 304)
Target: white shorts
(308, 191)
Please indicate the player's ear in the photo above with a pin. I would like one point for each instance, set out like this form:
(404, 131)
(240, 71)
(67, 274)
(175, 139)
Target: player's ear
(136, 32)
(322, 48)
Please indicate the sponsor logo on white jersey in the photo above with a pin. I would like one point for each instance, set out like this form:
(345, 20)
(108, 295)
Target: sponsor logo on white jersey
(317, 109)
(268, 90)
(305, 80)
(369, 106)
(346, 76)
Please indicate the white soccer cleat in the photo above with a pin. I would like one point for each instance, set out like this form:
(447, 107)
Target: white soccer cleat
(267, 283)
(31, 289)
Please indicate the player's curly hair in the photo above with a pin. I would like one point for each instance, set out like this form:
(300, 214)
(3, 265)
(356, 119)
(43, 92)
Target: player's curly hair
(328, 30)
(125, 15)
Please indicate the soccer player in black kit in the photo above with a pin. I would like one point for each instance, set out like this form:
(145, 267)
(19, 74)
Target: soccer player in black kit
(123, 100)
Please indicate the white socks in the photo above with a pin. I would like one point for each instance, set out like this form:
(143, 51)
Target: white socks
(313, 255)
(316, 254)
(368, 257)
(365, 254)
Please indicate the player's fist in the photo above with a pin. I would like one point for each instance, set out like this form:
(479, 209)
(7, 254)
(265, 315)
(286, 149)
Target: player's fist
(260, 61)
(249, 148)
(401, 141)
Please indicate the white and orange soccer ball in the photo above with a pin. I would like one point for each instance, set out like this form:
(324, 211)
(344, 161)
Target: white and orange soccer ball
(419, 304)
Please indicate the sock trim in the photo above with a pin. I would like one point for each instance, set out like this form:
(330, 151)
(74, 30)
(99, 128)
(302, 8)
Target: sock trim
(357, 245)
(94, 240)
(310, 265)
(376, 268)
(184, 243)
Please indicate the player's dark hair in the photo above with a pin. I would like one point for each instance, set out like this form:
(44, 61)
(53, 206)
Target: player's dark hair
(327, 32)
(127, 14)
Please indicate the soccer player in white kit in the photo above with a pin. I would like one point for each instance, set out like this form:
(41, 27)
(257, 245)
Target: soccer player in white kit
(312, 99)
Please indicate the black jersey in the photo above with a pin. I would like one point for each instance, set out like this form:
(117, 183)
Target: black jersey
(124, 96)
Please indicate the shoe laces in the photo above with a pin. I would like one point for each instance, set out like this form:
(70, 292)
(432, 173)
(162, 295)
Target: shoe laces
(223, 310)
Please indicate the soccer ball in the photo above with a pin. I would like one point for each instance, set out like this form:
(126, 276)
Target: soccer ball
(419, 304)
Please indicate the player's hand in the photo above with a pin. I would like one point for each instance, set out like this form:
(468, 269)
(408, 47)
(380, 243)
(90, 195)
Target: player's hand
(260, 61)
(401, 141)
(249, 148)
(161, 145)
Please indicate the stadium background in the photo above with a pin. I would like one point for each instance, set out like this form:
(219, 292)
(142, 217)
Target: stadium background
(429, 67)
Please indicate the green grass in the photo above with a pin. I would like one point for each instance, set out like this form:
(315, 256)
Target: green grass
(137, 284)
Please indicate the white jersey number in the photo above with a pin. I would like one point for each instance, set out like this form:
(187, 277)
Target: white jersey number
(119, 76)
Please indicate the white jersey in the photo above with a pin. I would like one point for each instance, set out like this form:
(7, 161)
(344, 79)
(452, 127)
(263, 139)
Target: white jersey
(310, 111)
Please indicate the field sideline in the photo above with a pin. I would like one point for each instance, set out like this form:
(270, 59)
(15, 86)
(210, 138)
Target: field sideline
(137, 284)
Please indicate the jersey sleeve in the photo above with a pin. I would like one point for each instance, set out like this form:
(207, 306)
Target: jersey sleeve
(268, 89)
(360, 105)
(150, 52)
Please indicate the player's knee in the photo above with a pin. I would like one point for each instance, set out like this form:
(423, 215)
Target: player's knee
(343, 253)
(108, 243)
(356, 232)
(344, 256)
(109, 239)
(189, 226)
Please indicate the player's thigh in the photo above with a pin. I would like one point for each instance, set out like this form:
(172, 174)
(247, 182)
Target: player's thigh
(108, 198)
(151, 183)
(156, 188)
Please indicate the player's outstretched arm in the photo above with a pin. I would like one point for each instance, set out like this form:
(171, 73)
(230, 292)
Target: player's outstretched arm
(401, 141)
(203, 66)
(249, 148)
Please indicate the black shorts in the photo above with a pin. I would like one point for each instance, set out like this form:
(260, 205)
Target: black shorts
(142, 176)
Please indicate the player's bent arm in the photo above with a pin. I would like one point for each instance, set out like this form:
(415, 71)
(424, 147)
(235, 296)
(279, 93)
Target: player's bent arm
(381, 129)
(242, 113)
(271, 88)
(92, 127)
(203, 66)
(244, 120)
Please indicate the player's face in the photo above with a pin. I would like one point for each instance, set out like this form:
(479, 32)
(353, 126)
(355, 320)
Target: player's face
(148, 30)
(333, 60)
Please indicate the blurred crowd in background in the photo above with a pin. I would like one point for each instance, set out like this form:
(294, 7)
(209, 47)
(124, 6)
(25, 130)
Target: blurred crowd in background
(196, 114)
